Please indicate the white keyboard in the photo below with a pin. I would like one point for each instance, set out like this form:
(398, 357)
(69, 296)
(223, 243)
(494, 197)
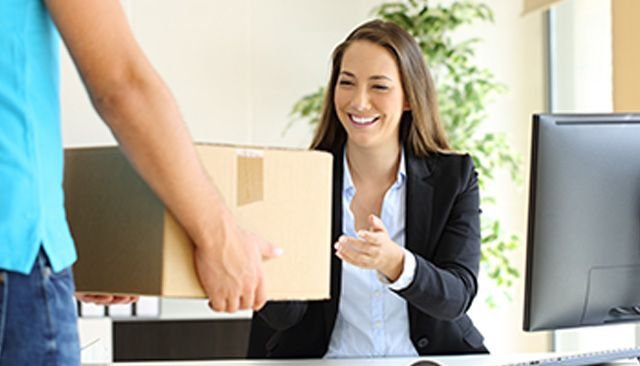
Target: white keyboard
(583, 359)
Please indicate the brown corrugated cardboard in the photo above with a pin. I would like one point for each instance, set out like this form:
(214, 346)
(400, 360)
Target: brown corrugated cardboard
(128, 243)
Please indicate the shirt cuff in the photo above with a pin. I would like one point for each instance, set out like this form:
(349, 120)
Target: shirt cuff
(407, 275)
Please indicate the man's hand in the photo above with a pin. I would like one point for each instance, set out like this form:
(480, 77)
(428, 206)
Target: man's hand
(231, 271)
(106, 299)
(372, 250)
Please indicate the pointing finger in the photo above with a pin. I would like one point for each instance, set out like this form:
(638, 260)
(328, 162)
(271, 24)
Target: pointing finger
(372, 237)
(376, 224)
(355, 244)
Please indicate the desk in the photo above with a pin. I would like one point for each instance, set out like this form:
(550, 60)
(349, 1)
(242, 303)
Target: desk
(481, 360)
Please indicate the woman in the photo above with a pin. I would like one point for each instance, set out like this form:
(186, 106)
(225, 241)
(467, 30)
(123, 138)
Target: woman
(405, 217)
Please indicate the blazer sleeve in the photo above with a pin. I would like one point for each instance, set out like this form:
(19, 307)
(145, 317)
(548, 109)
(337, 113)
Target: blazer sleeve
(445, 285)
(281, 315)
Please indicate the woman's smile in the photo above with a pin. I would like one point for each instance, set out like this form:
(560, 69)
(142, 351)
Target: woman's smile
(363, 121)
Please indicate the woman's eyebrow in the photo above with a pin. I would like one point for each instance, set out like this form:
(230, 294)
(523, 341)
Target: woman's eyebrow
(374, 77)
(380, 77)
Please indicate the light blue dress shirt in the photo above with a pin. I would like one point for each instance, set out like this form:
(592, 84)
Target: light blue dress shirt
(31, 197)
(372, 320)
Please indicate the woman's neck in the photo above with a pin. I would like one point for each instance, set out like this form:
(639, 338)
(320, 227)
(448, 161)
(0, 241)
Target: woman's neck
(377, 165)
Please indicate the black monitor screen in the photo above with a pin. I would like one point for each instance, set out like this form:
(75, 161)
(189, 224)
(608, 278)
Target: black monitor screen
(583, 246)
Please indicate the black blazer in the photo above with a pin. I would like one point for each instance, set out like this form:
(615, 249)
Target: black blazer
(443, 232)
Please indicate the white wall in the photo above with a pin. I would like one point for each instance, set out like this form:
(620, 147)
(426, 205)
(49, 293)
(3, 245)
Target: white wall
(584, 66)
(237, 67)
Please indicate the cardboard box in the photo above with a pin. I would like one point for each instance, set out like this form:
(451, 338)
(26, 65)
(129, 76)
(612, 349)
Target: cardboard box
(128, 243)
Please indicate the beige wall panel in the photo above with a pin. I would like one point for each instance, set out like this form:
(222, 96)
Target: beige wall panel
(626, 55)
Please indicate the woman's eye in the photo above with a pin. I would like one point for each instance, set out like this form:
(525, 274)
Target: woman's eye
(345, 82)
(380, 87)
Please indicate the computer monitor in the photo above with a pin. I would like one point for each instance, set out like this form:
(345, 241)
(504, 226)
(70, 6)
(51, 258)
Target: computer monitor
(583, 245)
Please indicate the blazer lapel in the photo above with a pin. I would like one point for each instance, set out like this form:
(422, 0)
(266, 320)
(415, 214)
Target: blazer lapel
(420, 193)
(331, 306)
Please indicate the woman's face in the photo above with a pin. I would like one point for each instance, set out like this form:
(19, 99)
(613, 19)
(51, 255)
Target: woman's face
(368, 97)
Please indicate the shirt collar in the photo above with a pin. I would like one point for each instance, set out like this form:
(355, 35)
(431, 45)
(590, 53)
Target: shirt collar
(347, 181)
(401, 177)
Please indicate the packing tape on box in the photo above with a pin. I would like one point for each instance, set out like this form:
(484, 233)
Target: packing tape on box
(250, 168)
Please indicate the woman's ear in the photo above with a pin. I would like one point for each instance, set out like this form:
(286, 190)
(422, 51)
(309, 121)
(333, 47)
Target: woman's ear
(406, 107)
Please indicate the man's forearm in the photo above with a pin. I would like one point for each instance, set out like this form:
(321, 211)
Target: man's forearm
(144, 118)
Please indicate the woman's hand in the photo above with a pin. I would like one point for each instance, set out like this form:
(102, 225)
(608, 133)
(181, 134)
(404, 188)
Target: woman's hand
(372, 250)
(106, 299)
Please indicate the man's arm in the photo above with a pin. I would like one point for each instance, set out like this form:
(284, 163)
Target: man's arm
(141, 112)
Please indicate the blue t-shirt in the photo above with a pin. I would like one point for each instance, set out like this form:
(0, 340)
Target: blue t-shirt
(31, 197)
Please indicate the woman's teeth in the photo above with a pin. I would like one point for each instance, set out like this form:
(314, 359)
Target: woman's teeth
(362, 120)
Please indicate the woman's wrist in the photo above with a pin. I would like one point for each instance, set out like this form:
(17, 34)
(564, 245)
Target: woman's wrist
(394, 266)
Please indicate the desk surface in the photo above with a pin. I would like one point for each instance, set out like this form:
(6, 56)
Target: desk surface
(483, 360)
